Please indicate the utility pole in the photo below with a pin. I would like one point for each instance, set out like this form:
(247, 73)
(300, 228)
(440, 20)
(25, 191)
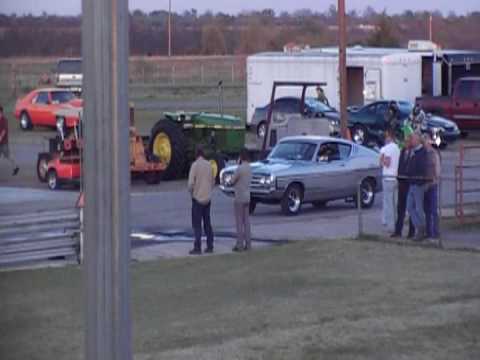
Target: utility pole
(430, 28)
(342, 66)
(107, 180)
(169, 28)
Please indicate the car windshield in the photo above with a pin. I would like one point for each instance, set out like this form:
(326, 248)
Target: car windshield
(293, 151)
(62, 96)
(69, 67)
(318, 105)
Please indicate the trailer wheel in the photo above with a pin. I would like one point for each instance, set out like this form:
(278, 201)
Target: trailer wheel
(167, 142)
(42, 166)
(152, 177)
(52, 180)
(218, 163)
(262, 129)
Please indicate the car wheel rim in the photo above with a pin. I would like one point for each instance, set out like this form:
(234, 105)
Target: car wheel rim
(359, 136)
(43, 168)
(23, 121)
(162, 148)
(367, 194)
(214, 166)
(52, 181)
(293, 201)
(262, 129)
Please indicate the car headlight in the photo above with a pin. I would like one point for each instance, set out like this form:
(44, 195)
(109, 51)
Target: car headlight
(267, 180)
(226, 178)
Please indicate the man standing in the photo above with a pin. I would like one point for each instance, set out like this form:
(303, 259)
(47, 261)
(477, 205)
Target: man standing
(200, 185)
(241, 181)
(431, 192)
(416, 172)
(403, 187)
(4, 150)
(390, 154)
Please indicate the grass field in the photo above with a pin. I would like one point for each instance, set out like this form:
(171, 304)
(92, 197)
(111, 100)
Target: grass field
(309, 300)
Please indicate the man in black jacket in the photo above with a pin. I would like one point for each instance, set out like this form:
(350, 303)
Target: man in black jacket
(416, 172)
(403, 191)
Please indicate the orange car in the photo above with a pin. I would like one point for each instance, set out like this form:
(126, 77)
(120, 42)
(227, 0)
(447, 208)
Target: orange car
(40, 106)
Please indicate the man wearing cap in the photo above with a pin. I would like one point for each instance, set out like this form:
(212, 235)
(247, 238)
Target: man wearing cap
(416, 172)
(431, 191)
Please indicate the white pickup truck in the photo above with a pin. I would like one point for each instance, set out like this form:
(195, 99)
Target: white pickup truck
(68, 74)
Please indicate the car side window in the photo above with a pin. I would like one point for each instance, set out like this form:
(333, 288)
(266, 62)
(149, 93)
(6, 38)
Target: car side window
(344, 151)
(328, 152)
(42, 98)
(370, 110)
(381, 109)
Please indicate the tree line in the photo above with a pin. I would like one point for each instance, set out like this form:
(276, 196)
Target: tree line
(245, 33)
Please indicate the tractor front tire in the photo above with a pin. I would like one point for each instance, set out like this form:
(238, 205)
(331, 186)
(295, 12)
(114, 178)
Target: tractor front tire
(152, 177)
(167, 143)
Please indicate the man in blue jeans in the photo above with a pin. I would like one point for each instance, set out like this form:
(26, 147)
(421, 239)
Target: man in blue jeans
(431, 192)
(417, 176)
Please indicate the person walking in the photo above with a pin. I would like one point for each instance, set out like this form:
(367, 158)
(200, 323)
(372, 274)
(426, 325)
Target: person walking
(321, 96)
(403, 185)
(416, 172)
(200, 185)
(431, 192)
(241, 181)
(389, 157)
(4, 148)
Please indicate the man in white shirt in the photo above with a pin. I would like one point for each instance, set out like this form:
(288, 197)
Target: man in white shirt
(389, 157)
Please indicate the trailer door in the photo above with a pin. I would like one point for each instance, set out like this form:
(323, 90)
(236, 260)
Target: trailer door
(373, 85)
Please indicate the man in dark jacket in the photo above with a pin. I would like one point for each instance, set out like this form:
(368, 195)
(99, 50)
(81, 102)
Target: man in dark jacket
(416, 172)
(403, 189)
(4, 149)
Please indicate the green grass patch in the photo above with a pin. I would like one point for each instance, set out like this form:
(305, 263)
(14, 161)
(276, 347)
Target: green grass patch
(308, 300)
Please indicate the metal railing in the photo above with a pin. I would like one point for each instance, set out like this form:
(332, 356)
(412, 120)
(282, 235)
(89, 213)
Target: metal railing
(37, 237)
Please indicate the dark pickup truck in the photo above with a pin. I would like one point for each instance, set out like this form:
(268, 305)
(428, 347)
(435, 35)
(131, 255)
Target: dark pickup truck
(463, 107)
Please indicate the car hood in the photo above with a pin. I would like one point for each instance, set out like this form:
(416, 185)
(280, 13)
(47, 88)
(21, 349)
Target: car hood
(270, 166)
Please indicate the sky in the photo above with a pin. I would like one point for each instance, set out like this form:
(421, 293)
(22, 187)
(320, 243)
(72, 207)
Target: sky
(72, 7)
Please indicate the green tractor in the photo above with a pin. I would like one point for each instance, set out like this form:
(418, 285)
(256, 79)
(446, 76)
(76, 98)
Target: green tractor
(174, 138)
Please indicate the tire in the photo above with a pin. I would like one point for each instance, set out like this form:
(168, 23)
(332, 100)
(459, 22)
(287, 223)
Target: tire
(167, 142)
(292, 200)
(359, 134)
(252, 206)
(152, 177)
(52, 180)
(367, 189)
(218, 164)
(25, 121)
(319, 204)
(42, 166)
(261, 129)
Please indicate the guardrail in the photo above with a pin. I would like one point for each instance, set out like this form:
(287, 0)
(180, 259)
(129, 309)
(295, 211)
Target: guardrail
(36, 237)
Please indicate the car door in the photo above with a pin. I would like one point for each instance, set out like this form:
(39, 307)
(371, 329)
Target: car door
(39, 111)
(331, 174)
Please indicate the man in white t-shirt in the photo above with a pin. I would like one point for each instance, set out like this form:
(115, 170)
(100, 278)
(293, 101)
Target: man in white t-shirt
(390, 154)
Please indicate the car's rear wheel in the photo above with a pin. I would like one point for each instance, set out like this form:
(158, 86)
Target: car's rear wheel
(292, 200)
(359, 134)
(25, 121)
(367, 194)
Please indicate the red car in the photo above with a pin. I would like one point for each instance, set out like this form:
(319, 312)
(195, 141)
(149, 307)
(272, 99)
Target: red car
(40, 106)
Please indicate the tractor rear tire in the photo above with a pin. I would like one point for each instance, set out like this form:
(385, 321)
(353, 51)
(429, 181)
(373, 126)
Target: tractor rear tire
(42, 166)
(176, 163)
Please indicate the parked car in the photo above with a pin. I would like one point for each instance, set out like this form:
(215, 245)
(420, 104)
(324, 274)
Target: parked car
(463, 107)
(289, 106)
(69, 75)
(311, 169)
(367, 124)
(39, 107)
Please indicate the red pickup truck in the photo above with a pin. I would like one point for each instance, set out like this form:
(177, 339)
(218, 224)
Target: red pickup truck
(463, 107)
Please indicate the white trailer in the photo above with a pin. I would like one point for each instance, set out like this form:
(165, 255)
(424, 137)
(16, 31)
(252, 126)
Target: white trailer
(372, 73)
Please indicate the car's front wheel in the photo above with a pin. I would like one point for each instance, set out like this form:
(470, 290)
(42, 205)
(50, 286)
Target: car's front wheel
(292, 200)
(367, 194)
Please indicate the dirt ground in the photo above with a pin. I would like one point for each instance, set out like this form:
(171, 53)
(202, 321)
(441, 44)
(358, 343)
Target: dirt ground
(307, 300)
